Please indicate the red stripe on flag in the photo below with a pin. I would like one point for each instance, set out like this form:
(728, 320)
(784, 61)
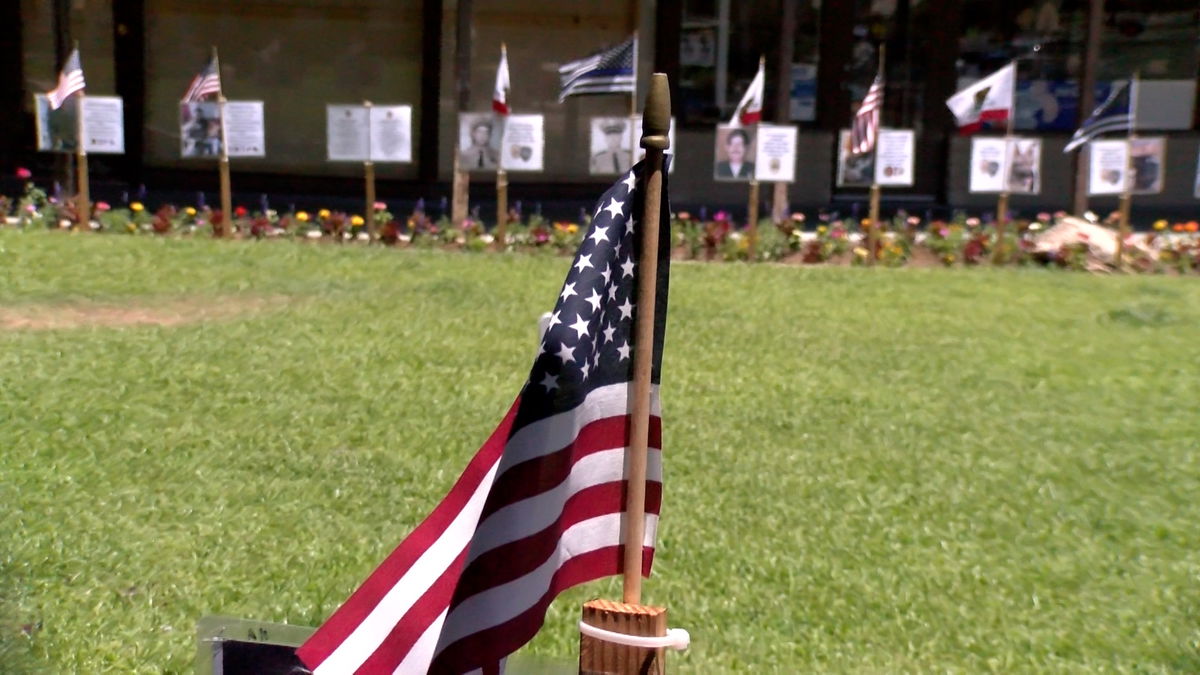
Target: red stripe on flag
(499, 107)
(343, 622)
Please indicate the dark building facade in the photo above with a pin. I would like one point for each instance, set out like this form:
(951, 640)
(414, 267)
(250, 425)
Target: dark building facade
(440, 57)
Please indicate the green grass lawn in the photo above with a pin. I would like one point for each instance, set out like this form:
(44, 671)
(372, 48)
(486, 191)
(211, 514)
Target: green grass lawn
(866, 470)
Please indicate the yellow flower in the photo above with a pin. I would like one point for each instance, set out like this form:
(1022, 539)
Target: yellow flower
(323, 213)
(302, 216)
(860, 251)
(191, 210)
(572, 228)
(136, 206)
(1160, 225)
(357, 221)
(821, 229)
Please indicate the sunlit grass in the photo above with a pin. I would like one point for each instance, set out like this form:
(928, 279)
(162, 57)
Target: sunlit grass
(866, 470)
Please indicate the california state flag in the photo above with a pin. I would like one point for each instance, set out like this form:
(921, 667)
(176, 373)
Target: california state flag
(500, 93)
(749, 109)
(988, 100)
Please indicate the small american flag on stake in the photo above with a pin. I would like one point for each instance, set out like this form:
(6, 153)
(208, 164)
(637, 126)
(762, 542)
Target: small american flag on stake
(866, 120)
(206, 83)
(539, 509)
(610, 71)
(70, 81)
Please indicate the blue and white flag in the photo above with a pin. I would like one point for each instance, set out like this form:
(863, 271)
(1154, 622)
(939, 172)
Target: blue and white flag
(1114, 114)
(610, 71)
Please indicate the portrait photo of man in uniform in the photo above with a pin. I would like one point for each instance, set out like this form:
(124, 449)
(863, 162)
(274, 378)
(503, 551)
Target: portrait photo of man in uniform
(734, 154)
(479, 142)
(610, 146)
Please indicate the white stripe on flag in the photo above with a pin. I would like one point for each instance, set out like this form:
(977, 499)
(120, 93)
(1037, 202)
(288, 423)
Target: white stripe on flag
(368, 635)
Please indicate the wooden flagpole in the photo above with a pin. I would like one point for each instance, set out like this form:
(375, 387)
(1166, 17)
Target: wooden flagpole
(223, 164)
(629, 617)
(752, 204)
(501, 183)
(83, 202)
(876, 192)
(369, 177)
(1002, 199)
(1126, 202)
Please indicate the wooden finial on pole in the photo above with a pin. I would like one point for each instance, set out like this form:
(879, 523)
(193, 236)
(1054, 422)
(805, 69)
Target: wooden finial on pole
(629, 617)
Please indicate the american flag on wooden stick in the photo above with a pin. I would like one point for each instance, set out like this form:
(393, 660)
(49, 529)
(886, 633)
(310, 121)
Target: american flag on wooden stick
(206, 83)
(866, 120)
(609, 71)
(539, 508)
(70, 81)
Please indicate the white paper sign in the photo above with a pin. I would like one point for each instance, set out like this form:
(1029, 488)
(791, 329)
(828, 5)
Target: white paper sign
(894, 156)
(1147, 164)
(347, 133)
(523, 143)
(997, 166)
(391, 133)
(104, 124)
(1106, 167)
(988, 159)
(776, 151)
(853, 170)
(244, 129)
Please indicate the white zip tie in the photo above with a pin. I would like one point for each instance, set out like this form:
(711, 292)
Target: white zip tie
(676, 638)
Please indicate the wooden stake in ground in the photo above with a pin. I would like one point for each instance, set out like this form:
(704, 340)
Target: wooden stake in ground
(223, 163)
(873, 219)
(83, 203)
(596, 656)
(752, 220)
(1002, 199)
(1126, 201)
(369, 177)
(501, 208)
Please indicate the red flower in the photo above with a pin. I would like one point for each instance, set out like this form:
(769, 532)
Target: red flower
(240, 211)
(23, 173)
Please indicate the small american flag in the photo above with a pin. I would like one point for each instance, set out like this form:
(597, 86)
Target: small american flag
(70, 81)
(539, 508)
(866, 120)
(206, 83)
(609, 71)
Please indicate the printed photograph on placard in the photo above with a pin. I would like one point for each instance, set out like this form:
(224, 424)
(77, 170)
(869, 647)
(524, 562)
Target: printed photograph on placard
(1106, 167)
(1025, 166)
(1146, 164)
(734, 155)
(853, 170)
(894, 154)
(523, 144)
(391, 133)
(200, 129)
(57, 130)
(347, 133)
(639, 152)
(987, 164)
(610, 148)
(1196, 191)
(776, 153)
(479, 136)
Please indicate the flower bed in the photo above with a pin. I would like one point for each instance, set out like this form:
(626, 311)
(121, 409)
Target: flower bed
(903, 240)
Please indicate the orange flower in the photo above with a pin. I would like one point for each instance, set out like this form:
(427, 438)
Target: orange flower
(1177, 227)
(1193, 226)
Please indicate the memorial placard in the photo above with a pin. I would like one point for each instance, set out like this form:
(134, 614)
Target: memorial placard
(377, 133)
(776, 152)
(1106, 167)
(853, 170)
(523, 145)
(104, 125)
(734, 153)
(1146, 164)
(894, 157)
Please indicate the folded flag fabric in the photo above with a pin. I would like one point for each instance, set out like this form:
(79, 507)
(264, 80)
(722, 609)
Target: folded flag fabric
(609, 71)
(539, 509)
(1114, 114)
(70, 81)
(500, 91)
(988, 101)
(866, 120)
(206, 83)
(749, 109)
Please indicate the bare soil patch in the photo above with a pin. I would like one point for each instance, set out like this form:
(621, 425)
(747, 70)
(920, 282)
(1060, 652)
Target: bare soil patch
(162, 313)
